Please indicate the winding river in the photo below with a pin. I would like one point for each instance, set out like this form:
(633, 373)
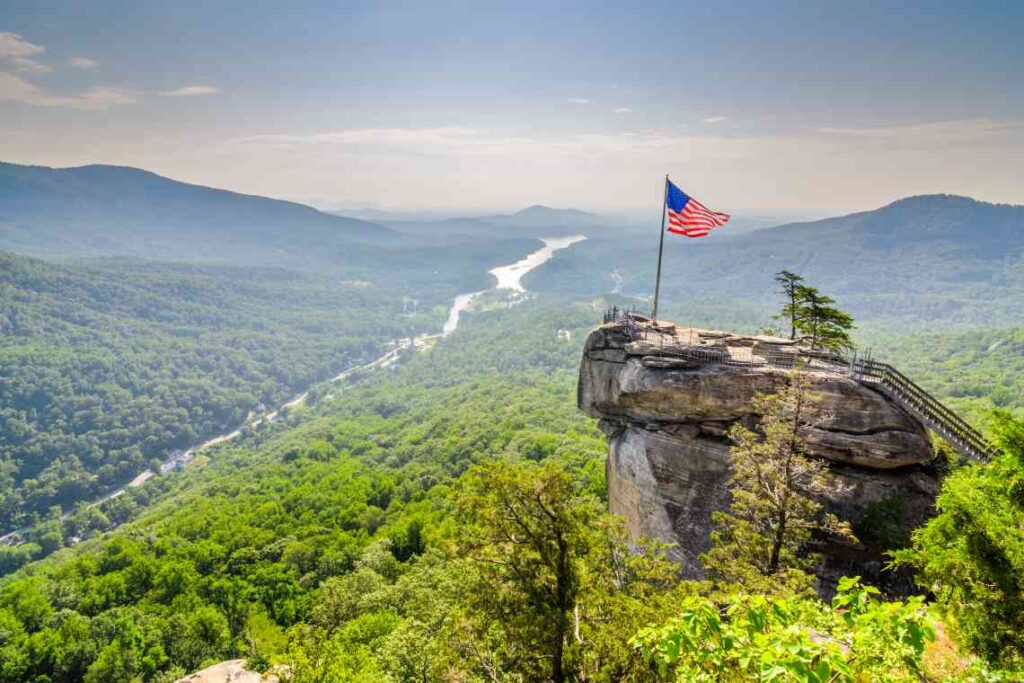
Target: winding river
(508, 278)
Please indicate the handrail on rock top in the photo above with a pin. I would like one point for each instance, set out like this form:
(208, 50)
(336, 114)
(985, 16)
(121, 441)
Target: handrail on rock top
(964, 438)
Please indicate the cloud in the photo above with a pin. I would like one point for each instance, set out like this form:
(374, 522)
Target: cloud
(622, 110)
(380, 139)
(714, 119)
(933, 129)
(15, 89)
(930, 135)
(578, 100)
(13, 46)
(18, 52)
(191, 91)
(846, 168)
(83, 63)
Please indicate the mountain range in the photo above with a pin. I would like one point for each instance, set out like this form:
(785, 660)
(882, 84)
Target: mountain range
(98, 209)
(929, 257)
(533, 221)
(923, 259)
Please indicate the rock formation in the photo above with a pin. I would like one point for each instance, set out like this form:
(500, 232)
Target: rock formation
(666, 401)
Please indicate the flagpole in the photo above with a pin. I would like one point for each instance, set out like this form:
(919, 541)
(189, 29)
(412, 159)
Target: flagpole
(661, 248)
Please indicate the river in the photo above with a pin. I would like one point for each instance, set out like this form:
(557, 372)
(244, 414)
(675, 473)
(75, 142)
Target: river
(508, 278)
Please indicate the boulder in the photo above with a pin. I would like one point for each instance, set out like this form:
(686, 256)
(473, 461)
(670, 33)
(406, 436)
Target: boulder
(666, 417)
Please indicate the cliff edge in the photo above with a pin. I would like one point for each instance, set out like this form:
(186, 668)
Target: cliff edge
(666, 396)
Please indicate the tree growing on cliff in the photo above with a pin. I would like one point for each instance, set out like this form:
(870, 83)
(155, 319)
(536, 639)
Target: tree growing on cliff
(760, 540)
(792, 310)
(813, 316)
(823, 325)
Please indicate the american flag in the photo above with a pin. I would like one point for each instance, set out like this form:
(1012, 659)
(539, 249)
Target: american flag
(687, 216)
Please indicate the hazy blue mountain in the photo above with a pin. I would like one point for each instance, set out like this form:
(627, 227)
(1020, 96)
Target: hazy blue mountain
(119, 210)
(538, 216)
(533, 221)
(983, 229)
(920, 259)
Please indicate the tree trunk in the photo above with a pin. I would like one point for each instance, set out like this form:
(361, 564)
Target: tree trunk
(777, 541)
(792, 313)
(563, 599)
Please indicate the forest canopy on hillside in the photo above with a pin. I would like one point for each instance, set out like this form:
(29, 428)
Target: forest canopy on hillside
(109, 365)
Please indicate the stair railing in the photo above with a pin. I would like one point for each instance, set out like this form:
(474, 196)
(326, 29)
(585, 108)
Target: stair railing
(960, 435)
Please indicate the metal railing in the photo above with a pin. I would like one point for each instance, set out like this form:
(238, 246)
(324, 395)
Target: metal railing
(938, 417)
(964, 438)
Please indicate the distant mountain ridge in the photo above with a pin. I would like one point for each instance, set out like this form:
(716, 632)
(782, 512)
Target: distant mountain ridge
(540, 215)
(533, 221)
(921, 259)
(990, 228)
(103, 209)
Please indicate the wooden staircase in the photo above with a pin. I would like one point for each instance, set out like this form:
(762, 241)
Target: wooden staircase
(964, 438)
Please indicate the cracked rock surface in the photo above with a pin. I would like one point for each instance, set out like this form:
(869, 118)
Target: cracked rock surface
(666, 415)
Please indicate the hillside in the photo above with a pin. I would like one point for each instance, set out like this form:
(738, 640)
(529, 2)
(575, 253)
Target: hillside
(341, 549)
(120, 210)
(539, 216)
(109, 364)
(918, 261)
(350, 488)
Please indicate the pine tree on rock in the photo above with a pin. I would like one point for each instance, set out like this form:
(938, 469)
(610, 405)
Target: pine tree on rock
(760, 540)
(792, 311)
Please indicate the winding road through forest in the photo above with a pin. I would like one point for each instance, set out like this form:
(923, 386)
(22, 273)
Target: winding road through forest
(507, 277)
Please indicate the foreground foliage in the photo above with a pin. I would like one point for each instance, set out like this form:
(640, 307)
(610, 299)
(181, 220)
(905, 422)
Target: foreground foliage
(971, 555)
(756, 638)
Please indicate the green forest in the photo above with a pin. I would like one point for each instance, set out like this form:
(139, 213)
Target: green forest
(109, 365)
(340, 342)
(377, 536)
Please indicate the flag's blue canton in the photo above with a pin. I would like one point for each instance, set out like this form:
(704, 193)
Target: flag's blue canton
(676, 198)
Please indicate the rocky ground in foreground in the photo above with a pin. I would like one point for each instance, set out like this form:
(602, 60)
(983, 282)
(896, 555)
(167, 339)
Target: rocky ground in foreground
(231, 671)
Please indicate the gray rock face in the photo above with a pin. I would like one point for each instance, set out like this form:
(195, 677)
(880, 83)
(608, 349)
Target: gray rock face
(666, 416)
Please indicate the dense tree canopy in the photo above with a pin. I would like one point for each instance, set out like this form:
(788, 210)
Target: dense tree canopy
(384, 535)
(108, 365)
(971, 555)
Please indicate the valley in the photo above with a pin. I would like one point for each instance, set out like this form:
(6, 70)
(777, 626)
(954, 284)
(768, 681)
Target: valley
(340, 342)
(507, 278)
(332, 521)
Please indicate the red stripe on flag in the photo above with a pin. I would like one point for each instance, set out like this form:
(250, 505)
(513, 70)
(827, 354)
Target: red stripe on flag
(695, 220)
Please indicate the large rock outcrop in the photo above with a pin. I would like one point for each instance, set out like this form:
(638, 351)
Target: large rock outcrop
(666, 403)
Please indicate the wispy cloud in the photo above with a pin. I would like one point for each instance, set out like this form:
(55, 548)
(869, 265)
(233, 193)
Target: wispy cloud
(930, 135)
(377, 138)
(15, 89)
(622, 110)
(714, 119)
(191, 91)
(458, 141)
(18, 53)
(83, 63)
(578, 100)
(957, 128)
(528, 167)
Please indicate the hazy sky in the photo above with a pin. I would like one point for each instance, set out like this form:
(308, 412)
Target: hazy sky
(751, 106)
